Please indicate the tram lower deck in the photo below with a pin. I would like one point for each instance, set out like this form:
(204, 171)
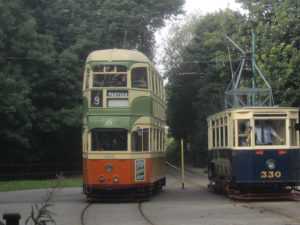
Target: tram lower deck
(124, 173)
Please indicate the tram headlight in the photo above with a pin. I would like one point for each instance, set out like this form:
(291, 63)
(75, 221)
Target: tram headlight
(116, 179)
(271, 164)
(101, 178)
(108, 168)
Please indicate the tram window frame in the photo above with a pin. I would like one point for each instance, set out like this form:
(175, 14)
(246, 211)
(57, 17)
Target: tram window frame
(293, 132)
(153, 83)
(139, 79)
(110, 80)
(226, 135)
(158, 141)
(218, 133)
(225, 131)
(221, 133)
(98, 68)
(112, 138)
(279, 129)
(157, 85)
(121, 68)
(213, 134)
(87, 79)
(243, 130)
(233, 133)
(140, 140)
(150, 140)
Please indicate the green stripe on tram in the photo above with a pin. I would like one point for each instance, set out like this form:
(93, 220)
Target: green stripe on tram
(119, 118)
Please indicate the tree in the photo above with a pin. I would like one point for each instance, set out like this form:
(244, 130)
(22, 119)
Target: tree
(191, 99)
(43, 46)
(277, 27)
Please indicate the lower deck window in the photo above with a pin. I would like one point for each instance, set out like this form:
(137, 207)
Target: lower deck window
(114, 140)
(140, 140)
(270, 132)
(243, 132)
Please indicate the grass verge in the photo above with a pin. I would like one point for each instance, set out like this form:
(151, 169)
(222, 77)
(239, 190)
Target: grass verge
(38, 184)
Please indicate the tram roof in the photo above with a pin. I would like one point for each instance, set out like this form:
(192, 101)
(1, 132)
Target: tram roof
(266, 109)
(111, 55)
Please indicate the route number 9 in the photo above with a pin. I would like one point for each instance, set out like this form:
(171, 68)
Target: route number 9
(96, 100)
(270, 174)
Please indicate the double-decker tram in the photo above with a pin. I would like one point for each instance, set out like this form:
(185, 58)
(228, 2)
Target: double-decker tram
(253, 145)
(123, 126)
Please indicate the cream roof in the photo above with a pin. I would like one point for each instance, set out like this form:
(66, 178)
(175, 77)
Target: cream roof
(117, 55)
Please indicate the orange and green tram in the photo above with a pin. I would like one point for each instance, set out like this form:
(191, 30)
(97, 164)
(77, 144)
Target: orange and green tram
(123, 125)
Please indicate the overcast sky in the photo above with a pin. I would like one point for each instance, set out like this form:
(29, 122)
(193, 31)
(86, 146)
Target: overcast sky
(201, 6)
(206, 6)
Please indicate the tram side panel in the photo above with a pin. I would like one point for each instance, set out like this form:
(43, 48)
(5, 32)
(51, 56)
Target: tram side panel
(253, 167)
(108, 174)
(265, 167)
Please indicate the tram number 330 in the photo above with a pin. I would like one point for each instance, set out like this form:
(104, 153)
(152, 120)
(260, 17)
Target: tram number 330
(270, 174)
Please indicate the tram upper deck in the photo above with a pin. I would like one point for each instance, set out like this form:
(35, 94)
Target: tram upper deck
(123, 97)
(115, 78)
(242, 128)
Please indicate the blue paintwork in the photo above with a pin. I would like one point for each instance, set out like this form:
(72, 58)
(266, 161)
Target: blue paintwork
(245, 166)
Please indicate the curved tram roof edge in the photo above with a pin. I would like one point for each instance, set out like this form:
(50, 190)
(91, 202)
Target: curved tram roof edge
(258, 108)
(111, 55)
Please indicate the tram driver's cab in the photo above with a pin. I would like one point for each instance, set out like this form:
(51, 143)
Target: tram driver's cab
(271, 131)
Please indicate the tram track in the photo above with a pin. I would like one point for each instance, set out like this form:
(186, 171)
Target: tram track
(82, 213)
(140, 211)
(250, 205)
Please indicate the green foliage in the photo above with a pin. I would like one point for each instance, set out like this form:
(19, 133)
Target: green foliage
(40, 213)
(276, 25)
(173, 151)
(38, 184)
(196, 85)
(43, 47)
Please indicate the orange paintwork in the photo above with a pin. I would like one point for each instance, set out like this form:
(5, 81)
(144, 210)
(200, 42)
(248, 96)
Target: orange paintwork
(122, 168)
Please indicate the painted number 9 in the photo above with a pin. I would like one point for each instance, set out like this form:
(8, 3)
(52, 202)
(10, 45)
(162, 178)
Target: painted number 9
(96, 100)
(270, 174)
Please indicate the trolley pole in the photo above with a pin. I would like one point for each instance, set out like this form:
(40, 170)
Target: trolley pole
(182, 164)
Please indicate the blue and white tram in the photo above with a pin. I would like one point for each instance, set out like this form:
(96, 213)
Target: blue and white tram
(250, 161)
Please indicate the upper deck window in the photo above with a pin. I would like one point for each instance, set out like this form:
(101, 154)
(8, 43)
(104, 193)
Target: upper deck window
(110, 80)
(121, 68)
(139, 77)
(98, 68)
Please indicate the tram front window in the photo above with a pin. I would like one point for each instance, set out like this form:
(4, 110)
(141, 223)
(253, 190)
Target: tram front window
(110, 80)
(270, 132)
(109, 140)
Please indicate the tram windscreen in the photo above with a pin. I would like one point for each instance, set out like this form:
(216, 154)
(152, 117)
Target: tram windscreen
(110, 80)
(139, 77)
(113, 140)
(270, 132)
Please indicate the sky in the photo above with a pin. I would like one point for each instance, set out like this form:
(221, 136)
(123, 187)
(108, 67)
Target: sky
(206, 6)
(192, 6)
